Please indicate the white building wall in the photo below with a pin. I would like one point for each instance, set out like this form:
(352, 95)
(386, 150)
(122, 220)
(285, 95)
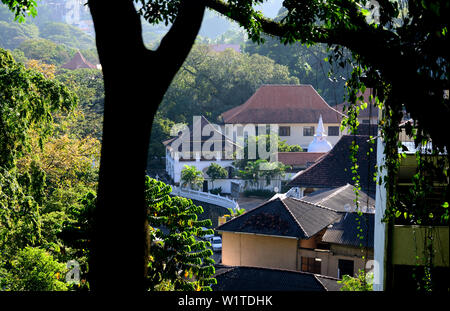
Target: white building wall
(175, 166)
(380, 227)
(296, 136)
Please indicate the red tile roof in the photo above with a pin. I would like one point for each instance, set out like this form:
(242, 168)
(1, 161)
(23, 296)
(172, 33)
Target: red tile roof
(78, 61)
(299, 159)
(283, 104)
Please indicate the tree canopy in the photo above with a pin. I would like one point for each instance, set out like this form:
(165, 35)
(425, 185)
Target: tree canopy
(210, 83)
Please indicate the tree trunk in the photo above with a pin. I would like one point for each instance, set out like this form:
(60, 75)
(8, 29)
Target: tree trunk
(135, 81)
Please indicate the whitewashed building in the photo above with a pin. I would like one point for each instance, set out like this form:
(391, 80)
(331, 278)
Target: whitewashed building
(201, 145)
(291, 110)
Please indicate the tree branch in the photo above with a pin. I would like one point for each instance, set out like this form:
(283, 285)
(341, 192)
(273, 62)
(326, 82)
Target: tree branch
(181, 36)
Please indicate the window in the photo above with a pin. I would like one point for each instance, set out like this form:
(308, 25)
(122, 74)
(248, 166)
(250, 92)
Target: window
(284, 131)
(333, 131)
(312, 265)
(366, 121)
(308, 131)
(345, 267)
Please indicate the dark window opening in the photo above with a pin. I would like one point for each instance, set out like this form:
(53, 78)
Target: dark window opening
(312, 265)
(345, 267)
(308, 131)
(284, 131)
(333, 131)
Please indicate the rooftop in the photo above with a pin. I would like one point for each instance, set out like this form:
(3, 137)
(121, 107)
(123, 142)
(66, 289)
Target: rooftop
(299, 159)
(333, 170)
(283, 216)
(201, 131)
(276, 104)
(230, 278)
(346, 232)
(78, 61)
(339, 198)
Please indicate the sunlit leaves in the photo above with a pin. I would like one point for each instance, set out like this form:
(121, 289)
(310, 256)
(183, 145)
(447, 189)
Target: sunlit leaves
(178, 255)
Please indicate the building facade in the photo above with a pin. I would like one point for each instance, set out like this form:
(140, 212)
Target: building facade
(291, 111)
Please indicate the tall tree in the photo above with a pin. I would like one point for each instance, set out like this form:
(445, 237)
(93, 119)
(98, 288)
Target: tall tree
(136, 76)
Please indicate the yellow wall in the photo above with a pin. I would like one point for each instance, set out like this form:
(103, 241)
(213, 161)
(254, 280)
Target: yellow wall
(258, 251)
(408, 242)
(330, 259)
(240, 249)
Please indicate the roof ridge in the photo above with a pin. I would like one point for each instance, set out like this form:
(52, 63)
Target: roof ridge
(314, 204)
(334, 193)
(246, 212)
(295, 219)
(326, 102)
(320, 282)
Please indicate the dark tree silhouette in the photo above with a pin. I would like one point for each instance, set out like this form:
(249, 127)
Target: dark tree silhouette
(135, 80)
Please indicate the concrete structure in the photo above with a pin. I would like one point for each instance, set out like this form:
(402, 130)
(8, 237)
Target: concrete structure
(320, 142)
(292, 234)
(399, 245)
(200, 145)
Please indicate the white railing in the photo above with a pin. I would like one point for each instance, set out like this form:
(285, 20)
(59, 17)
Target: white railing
(205, 197)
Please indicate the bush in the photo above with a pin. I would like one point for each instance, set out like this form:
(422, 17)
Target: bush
(216, 190)
(35, 270)
(362, 282)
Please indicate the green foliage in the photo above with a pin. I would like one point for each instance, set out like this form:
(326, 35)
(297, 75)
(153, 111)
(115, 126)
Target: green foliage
(215, 171)
(284, 147)
(13, 34)
(40, 178)
(26, 102)
(216, 190)
(65, 34)
(87, 84)
(256, 170)
(308, 63)
(21, 8)
(160, 132)
(46, 51)
(235, 213)
(34, 269)
(210, 83)
(362, 282)
(191, 176)
(178, 259)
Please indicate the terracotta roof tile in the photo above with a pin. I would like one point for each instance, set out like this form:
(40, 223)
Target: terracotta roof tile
(299, 159)
(78, 61)
(276, 104)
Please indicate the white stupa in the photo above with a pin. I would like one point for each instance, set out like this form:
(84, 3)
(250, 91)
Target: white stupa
(320, 142)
